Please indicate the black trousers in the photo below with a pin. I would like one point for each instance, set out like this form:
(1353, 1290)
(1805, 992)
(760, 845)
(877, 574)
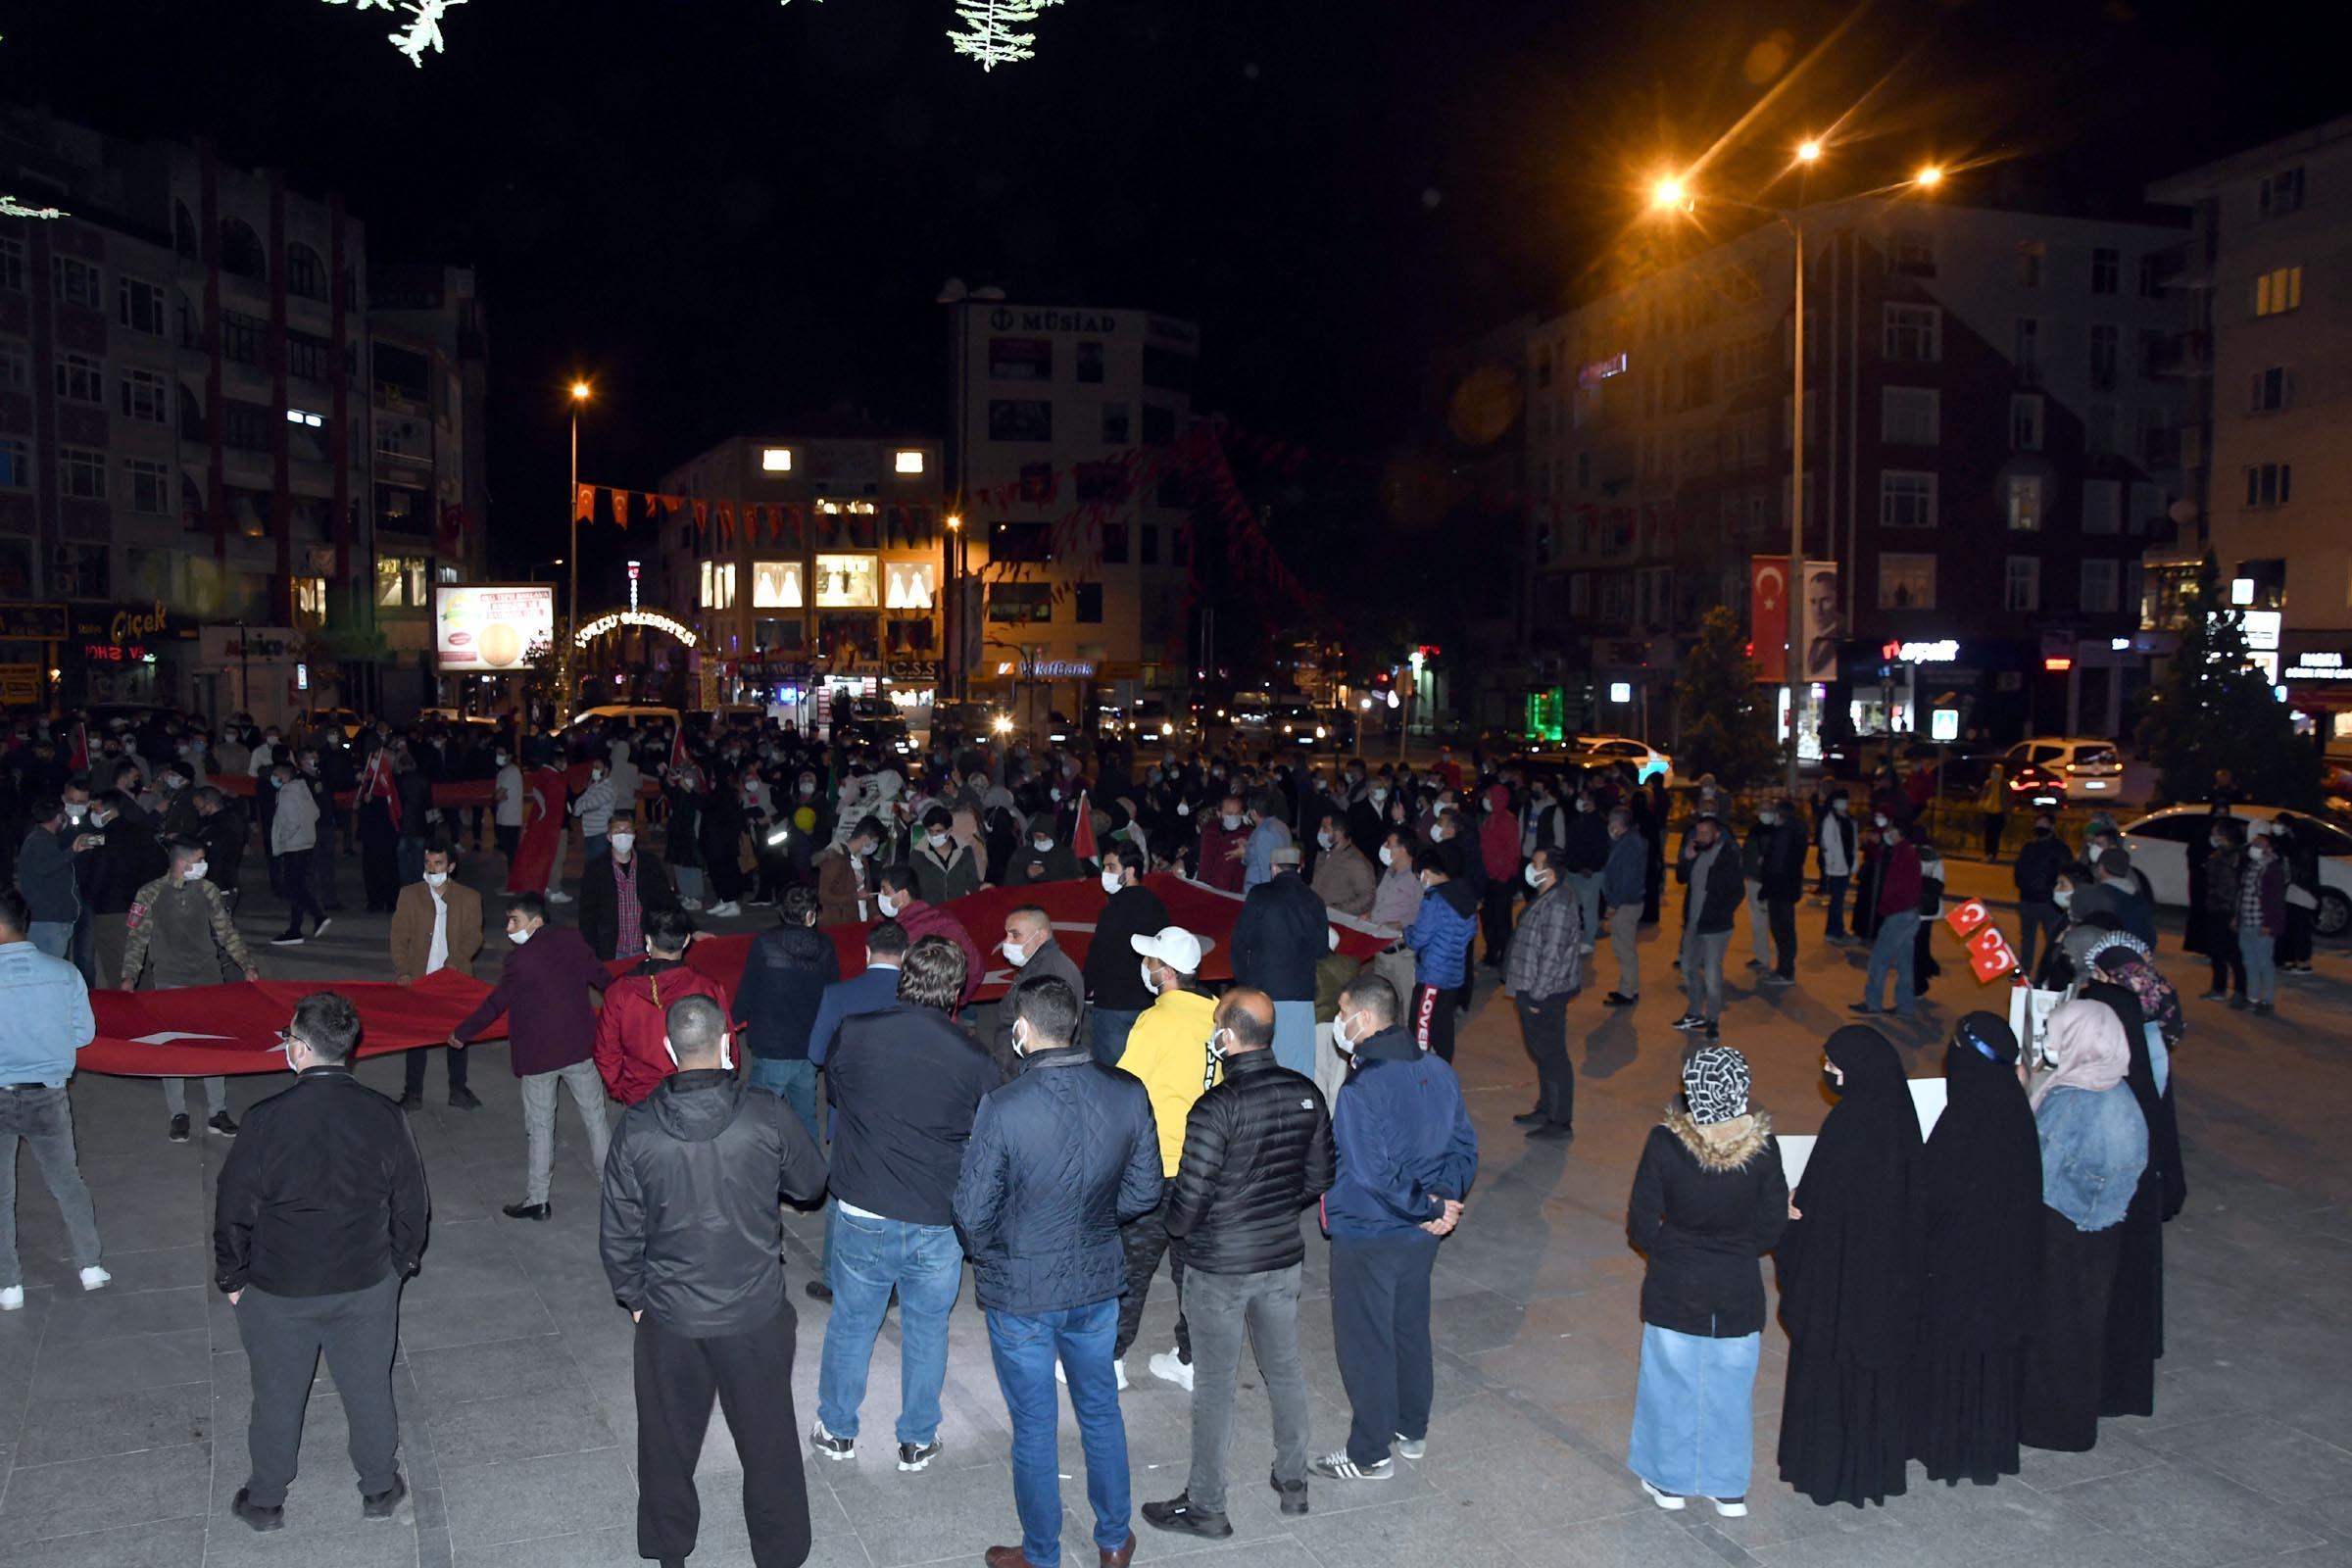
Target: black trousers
(1494, 919)
(507, 837)
(1543, 1030)
(283, 1336)
(1380, 1331)
(414, 1068)
(1832, 888)
(1781, 916)
(1145, 1242)
(1433, 1020)
(2229, 965)
(751, 1375)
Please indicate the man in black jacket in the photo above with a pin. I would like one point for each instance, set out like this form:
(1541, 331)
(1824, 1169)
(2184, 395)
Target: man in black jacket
(1710, 872)
(706, 1289)
(221, 829)
(1283, 933)
(131, 857)
(1782, 885)
(1256, 1151)
(1113, 977)
(618, 889)
(322, 1213)
(904, 1084)
(2035, 871)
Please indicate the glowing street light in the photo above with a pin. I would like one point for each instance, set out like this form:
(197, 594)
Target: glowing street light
(1668, 193)
(579, 397)
(1931, 175)
(1808, 151)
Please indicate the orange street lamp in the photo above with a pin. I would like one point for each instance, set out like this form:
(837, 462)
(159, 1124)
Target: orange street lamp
(580, 391)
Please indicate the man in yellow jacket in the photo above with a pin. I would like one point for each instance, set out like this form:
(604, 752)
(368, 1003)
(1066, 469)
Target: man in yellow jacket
(1169, 1050)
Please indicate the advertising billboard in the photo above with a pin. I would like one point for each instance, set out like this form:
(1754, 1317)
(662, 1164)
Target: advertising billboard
(491, 628)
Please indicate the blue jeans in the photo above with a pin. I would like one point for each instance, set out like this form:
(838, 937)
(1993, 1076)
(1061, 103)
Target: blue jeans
(1110, 1028)
(52, 937)
(1893, 947)
(2262, 964)
(793, 1079)
(1025, 1348)
(1693, 1427)
(1294, 1036)
(870, 1255)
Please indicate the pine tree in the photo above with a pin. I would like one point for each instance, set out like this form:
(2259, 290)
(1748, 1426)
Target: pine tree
(1726, 727)
(2214, 710)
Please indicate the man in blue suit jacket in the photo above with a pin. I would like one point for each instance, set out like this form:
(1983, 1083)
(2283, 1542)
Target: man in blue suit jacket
(874, 988)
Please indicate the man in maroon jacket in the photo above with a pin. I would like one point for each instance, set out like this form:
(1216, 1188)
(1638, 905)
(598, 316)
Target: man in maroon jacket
(550, 1037)
(1898, 924)
(895, 886)
(1224, 845)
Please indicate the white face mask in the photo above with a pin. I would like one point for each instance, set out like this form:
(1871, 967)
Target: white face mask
(1042, 846)
(1387, 854)
(432, 879)
(2066, 895)
(1020, 1037)
(1324, 839)
(596, 775)
(1151, 979)
(1340, 1036)
(1230, 820)
(1110, 881)
(887, 904)
(76, 812)
(1380, 794)
(938, 841)
(1184, 809)
(519, 936)
(197, 868)
(501, 759)
(1016, 953)
(623, 843)
(1536, 876)
(1768, 818)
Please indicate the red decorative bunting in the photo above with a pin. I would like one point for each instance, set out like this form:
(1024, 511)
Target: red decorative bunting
(621, 509)
(583, 502)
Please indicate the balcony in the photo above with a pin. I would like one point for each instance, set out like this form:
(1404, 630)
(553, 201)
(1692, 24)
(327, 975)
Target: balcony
(400, 399)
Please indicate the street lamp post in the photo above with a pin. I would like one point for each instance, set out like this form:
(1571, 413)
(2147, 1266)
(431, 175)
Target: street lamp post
(952, 617)
(571, 504)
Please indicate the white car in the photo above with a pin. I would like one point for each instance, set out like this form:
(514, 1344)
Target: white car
(2091, 768)
(1607, 751)
(2162, 841)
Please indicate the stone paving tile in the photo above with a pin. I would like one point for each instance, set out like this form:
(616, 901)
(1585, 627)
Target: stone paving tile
(76, 1495)
(2186, 1516)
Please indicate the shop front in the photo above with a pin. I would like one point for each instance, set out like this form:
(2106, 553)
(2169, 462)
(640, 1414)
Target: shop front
(32, 639)
(261, 671)
(2315, 669)
(141, 654)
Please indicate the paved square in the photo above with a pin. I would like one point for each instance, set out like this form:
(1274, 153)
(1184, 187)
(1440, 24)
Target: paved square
(123, 1413)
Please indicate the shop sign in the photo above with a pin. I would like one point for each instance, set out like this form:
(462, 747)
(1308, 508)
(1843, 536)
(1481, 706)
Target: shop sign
(2319, 667)
(1934, 653)
(21, 683)
(32, 622)
(913, 669)
(127, 623)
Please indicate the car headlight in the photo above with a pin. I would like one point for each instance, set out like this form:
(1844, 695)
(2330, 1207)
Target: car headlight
(1001, 724)
(1319, 732)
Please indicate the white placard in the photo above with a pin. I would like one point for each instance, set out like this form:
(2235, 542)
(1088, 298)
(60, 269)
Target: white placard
(2029, 1020)
(1796, 1149)
(1926, 1098)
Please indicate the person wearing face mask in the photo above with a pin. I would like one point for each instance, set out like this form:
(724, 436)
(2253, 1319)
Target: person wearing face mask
(1899, 889)
(1440, 938)
(322, 1213)
(508, 801)
(1781, 886)
(2034, 873)
(1344, 878)
(293, 834)
(1224, 846)
(1367, 806)
(2259, 921)
(1837, 846)
(594, 810)
(1173, 1048)
(179, 932)
(221, 829)
(436, 925)
(845, 877)
(693, 1243)
(542, 990)
(942, 869)
(1257, 1149)
(1397, 901)
(630, 1026)
(1280, 937)
(1045, 858)
(2225, 863)
(620, 889)
(1268, 832)
(128, 859)
(1118, 989)
(895, 900)
(1029, 947)
(47, 875)
(1709, 870)
(1544, 973)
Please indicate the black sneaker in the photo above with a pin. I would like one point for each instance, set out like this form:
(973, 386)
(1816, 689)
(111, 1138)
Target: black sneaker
(254, 1514)
(1530, 1119)
(1714, 1030)
(1688, 1021)
(2263, 1009)
(380, 1505)
(818, 1290)
(178, 1133)
(2213, 996)
(825, 1442)
(412, 1100)
(1618, 999)
(1758, 964)
(526, 1210)
(222, 1124)
(464, 1099)
(1179, 1517)
(914, 1456)
(1292, 1493)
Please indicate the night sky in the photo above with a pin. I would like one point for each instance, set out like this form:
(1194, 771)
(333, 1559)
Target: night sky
(729, 211)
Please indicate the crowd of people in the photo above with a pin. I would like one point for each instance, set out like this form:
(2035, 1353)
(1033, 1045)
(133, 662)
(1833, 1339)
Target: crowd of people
(2000, 1283)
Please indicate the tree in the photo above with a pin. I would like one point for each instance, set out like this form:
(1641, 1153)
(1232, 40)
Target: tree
(1726, 727)
(2213, 710)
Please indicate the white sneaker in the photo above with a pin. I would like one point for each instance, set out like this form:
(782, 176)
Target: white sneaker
(690, 903)
(1670, 1501)
(558, 898)
(1118, 1370)
(724, 911)
(1170, 1367)
(12, 1298)
(1731, 1507)
(93, 1277)
(1411, 1447)
(319, 929)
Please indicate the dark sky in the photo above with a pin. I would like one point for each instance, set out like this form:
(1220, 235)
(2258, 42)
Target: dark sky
(727, 210)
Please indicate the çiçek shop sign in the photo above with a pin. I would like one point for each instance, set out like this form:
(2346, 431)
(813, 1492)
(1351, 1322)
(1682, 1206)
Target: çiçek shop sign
(125, 624)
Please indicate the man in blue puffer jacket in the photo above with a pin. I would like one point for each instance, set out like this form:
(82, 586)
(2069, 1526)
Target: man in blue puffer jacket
(1059, 1159)
(1407, 1155)
(1440, 937)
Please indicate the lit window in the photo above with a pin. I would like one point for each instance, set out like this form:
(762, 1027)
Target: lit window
(718, 584)
(2024, 501)
(775, 459)
(909, 463)
(2278, 290)
(775, 585)
(1906, 582)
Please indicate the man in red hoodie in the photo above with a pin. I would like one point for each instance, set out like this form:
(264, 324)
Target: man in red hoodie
(1498, 853)
(632, 1053)
(1898, 924)
(895, 888)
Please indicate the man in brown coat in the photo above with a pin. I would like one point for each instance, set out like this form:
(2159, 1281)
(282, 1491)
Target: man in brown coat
(436, 924)
(844, 879)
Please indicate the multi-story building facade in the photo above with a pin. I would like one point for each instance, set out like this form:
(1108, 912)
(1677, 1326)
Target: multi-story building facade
(2271, 470)
(811, 564)
(1991, 432)
(1075, 473)
(188, 437)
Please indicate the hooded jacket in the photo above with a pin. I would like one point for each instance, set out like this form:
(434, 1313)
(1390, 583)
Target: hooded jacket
(1404, 1140)
(691, 1231)
(1114, 972)
(919, 920)
(1704, 1211)
(1257, 1149)
(631, 1055)
(1059, 1159)
(1717, 889)
(1440, 935)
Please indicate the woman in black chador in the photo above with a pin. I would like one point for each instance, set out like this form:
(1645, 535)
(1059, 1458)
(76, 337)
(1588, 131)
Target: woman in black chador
(1980, 1179)
(1850, 1268)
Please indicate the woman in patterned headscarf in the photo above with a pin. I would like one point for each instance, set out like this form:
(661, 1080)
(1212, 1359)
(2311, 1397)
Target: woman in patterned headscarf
(1710, 1200)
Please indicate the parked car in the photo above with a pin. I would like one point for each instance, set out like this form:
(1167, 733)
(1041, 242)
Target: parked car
(1251, 711)
(629, 713)
(2092, 768)
(1605, 750)
(1161, 723)
(2162, 841)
